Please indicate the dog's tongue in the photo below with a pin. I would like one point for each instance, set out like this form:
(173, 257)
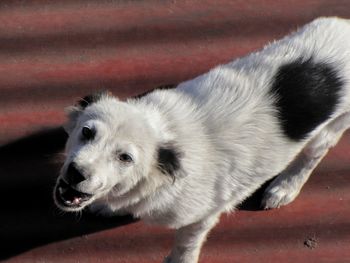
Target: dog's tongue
(76, 200)
(72, 196)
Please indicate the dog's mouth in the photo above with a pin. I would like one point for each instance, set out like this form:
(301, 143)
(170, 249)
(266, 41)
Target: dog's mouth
(69, 198)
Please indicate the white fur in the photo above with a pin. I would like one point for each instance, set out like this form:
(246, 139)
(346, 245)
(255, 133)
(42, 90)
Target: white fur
(225, 125)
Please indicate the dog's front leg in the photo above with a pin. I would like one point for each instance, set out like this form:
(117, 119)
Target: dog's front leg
(189, 240)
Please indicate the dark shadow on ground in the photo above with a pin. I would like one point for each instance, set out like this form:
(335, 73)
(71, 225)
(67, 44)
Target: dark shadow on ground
(28, 219)
(28, 170)
(253, 203)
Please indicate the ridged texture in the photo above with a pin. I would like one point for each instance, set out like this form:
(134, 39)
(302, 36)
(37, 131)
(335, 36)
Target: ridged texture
(54, 52)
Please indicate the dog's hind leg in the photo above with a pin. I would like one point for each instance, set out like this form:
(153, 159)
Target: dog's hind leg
(287, 185)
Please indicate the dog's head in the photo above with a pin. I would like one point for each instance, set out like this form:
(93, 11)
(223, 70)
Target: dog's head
(112, 147)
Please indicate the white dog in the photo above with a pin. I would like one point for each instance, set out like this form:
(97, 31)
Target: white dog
(181, 157)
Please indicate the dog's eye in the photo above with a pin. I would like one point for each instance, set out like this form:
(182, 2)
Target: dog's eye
(124, 157)
(88, 133)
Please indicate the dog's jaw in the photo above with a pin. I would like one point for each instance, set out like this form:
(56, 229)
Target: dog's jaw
(69, 199)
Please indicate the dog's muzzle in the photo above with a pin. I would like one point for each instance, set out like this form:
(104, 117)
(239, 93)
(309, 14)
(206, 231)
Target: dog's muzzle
(68, 197)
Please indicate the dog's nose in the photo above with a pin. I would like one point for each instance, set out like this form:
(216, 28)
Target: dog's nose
(74, 176)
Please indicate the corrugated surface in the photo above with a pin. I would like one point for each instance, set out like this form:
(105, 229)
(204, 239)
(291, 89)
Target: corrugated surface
(53, 52)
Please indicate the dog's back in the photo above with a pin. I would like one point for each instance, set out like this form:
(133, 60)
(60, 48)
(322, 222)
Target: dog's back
(260, 111)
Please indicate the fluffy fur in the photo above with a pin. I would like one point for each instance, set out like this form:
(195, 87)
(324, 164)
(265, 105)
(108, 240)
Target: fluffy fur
(181, 157)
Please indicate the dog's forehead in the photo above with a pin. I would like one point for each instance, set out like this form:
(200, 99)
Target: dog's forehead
(120, 118)
(112, 111)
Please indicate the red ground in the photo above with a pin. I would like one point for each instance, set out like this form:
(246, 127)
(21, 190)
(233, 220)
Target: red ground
(53, 52)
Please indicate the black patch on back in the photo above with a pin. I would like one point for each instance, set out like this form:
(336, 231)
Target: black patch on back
(89, 99)
(307, 94)
(168, 86)
(169, 160)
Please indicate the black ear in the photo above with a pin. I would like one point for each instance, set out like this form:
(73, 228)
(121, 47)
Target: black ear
(74, 112)
(169, 160)
(90, 99)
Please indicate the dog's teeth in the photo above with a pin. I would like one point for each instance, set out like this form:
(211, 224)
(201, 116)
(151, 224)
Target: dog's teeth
(60, 190)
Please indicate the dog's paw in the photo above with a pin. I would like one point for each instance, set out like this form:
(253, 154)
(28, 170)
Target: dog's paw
(183, 255)
(279, 193)
(170, 259)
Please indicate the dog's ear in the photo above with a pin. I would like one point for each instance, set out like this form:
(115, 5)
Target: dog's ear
(93, 98)
(169, 161)
(73, 112)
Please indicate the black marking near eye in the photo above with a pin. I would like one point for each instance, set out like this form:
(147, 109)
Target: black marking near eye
(307, 93)
(169, 160)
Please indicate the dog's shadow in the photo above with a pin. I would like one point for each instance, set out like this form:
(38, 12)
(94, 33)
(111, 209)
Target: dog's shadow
(28, 217)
